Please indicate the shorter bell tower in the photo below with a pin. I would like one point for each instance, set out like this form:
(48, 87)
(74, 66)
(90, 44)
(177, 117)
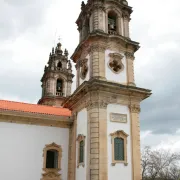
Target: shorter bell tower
(57, 78)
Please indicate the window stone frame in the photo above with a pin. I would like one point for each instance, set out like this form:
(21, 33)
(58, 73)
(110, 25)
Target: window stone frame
(123, 135)
(79, 139)
(52, 173)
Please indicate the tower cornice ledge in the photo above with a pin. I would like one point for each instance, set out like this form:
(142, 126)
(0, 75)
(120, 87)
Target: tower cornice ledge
(103, 38)
(104, 92)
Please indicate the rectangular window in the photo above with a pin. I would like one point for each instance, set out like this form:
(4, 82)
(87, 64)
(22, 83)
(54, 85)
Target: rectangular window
(52, 159)
(118, 149)
(81, 152)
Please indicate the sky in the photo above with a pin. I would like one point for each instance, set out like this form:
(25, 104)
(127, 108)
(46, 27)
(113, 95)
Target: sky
(29, 29)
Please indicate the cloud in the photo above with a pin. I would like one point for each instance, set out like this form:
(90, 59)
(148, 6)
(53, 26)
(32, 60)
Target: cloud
(154, 24)
(17, 17)
(29, 29)
(161, 141)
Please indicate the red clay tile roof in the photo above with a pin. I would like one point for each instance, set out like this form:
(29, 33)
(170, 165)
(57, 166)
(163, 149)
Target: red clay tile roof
(33, 108)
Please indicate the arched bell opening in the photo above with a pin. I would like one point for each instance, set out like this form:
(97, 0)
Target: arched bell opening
(59, 65)
(112, 22)
(59, 87)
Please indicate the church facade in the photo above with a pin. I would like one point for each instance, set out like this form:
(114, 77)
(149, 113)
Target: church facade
(94, 133)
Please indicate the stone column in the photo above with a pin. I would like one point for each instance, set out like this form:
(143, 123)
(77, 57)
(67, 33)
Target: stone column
(95, 19)
(98, 16)
(119, 25)
(98, 61)
(69, 84)
(77, 74)
(135, 142)
(130, 68)
(101, 19)
(72, 150)
(91, 27)
(97, 138)
(106, 23)
(126, 26)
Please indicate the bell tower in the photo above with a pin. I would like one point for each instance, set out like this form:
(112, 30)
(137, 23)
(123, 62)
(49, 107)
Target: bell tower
(57, 78)
(105, 136)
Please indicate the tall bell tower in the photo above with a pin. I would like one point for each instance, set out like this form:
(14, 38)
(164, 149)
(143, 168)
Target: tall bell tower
(106, 103)
(57, 78)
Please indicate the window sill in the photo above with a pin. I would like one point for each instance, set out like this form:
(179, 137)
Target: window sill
(81, 164)
(117, 162)
(51, 169)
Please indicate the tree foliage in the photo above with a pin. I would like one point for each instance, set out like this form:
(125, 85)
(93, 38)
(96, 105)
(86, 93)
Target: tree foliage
(160, 165)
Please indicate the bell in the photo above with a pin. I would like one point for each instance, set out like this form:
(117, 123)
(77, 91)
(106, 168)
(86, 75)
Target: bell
(111, 26)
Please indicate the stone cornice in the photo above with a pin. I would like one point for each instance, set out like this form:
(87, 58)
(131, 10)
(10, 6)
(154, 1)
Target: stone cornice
(96, 104)
(52, 73)
(35, 119)
(83, 95)
(103, 39)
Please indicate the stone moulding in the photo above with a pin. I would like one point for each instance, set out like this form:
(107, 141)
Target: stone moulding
(35, 119)
(117, 117)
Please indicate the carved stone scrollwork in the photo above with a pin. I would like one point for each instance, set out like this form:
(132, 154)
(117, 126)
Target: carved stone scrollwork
(130, 55)
(97, 48)
(84, 68)
(134, 108)
(96, 104)
(115, 62)
(51, 176)
(126, 16)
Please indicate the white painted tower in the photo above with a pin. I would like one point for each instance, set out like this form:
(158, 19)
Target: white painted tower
(105, 141)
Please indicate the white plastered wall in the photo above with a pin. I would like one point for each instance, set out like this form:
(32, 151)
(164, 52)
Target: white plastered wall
(88, 73)
(21, 152)
(119, 170)
(81, 129)
(110, 75)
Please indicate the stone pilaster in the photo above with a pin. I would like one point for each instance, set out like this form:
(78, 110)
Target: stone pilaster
(98, 61)
(95, 19)
(126, 26)
(69, 84)
(119, 25)
(77, 75)
(130, 68)
(135, 142)
(97, 137)
(72, 150)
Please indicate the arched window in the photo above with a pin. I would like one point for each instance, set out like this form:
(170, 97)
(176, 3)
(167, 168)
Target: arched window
(52, 159)
(119, 147)
(81, 150)
(59, 65)
(112, 23)
(59, 85)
